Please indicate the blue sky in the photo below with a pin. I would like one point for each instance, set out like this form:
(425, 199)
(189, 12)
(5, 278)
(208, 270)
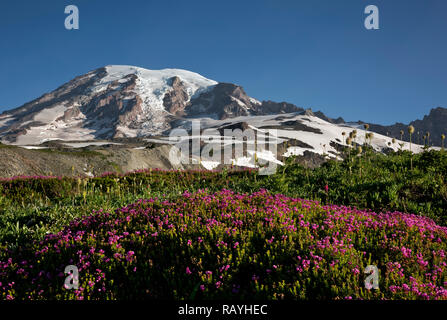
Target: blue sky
(313, 53)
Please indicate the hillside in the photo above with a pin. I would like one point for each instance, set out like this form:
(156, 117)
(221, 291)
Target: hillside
(222, 235)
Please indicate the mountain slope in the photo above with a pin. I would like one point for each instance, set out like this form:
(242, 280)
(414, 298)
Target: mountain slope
(435, 123)
(127, 101)
(116, 102)
(108, 102)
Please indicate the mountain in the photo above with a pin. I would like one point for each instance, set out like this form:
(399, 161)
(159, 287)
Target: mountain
(136, 107)
(435, 123)
(321, 115)
(126, 101)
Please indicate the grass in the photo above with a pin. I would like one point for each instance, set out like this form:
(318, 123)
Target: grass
(31, 208)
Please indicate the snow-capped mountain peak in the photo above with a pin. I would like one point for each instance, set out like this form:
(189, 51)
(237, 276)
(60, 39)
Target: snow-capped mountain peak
(127, 101)
(155, 83)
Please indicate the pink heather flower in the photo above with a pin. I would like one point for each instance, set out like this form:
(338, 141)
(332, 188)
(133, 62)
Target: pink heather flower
(393, 288)
(236, 244)
(218, 284)
(224, 268)
(306, 263)
(129, 255)
(406, 252)
(189, 243)
(154, 234)
(188, 271)
(420, 260)
(326, 188)
(202, 287)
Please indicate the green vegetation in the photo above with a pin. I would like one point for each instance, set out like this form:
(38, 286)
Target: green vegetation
(32, 207)
(226, 245)
(283, 251)
(375, 181)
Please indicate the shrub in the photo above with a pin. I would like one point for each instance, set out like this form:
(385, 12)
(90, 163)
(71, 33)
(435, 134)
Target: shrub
(229, 245)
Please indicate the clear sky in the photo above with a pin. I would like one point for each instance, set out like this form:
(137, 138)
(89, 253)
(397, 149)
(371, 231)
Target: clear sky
(313, 53)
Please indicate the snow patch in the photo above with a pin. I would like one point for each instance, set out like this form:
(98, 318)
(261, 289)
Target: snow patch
(33, 147)
(152, 85)
(254, 101)
(86, 144)
(5, 120)
(49, 115)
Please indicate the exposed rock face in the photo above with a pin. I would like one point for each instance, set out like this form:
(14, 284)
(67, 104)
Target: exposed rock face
(125, 101)
(270, 107)
(226, 100)
(177, 98)
(110, 102)
(115, 106)
(321, 115)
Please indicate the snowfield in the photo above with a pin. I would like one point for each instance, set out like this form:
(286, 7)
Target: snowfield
(64, 119)
(319, 135)
(152, 85)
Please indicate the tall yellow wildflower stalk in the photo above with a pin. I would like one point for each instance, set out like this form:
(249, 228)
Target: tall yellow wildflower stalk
(411, 131)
